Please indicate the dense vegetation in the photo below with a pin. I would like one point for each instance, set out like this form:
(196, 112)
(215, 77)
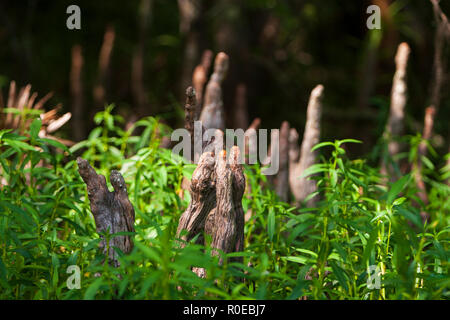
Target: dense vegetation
(318, 253)
(373, 140)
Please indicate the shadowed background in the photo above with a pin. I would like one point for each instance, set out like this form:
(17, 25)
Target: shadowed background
(279, 51)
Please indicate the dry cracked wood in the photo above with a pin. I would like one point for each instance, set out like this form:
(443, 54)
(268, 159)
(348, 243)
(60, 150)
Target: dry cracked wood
(217, 188)
(301, 159)
(225, 224)
(203, 198)
(112, 211)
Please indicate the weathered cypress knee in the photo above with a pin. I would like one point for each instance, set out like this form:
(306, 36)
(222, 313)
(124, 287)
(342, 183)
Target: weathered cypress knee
(203, 198)
(225, 224)
(112, 211)
(222, 225)
(394, 126)
(217, 188)
(212, 115)
(302, 158)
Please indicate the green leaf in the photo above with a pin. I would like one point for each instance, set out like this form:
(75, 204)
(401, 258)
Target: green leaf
(442, 253)
(35, 266)
(298, 290)
(35, 127)
(356, 180)
(149, 252)
(298, 230)
(397, 187)
(348, 140)
(18, 144)
(427, 163)
(55, 260)
(399, 201)
(316, 168)
(313, 254)
(92, 290)
(340, 250)
(55, 277)
(4, 132)
(370, 245)
(163, 172)
(333, 177)
(340, 274)
(271, 223)
(322, 144)
(54, 143)
(3, 271)
(298, 259)
(79, 145)
(122, 233)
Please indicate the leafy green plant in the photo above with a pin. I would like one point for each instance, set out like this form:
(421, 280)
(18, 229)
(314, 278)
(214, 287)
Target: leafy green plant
(316, 253)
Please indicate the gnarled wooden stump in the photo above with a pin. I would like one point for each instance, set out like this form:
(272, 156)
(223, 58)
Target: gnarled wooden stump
(217, 188)
(203, 198)
(112, 211)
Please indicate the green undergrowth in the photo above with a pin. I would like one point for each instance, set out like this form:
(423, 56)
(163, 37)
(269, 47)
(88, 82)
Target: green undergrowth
(360, 228)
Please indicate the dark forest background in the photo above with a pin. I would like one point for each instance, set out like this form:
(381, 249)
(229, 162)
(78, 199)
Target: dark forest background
(279, 50)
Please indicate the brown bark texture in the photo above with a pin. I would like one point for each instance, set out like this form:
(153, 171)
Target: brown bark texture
(217, 188)
(112, 211)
